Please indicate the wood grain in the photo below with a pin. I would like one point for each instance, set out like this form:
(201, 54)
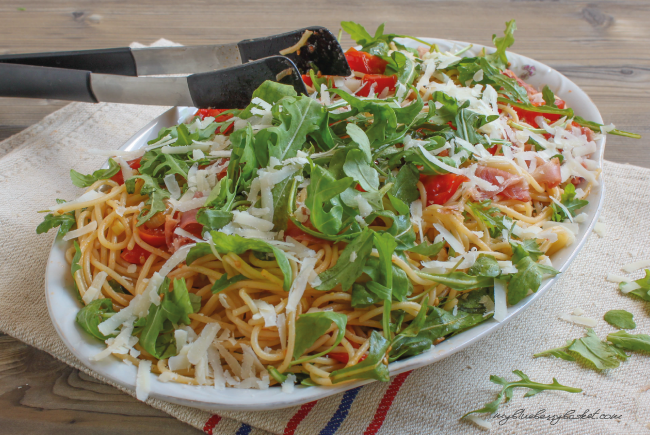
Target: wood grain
(601, 45)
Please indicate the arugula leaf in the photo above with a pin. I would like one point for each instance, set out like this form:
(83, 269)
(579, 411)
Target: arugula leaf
(458, 280)
(404, 68)
(485, 265)
(440, 323)
(529, 273)
(644, 283)
(360, 138)
(271, 92)
(64, 221)
(385, 245)
(75, 266)
(594, 126)
(373, 367)
(568, 112)
(568, 200)
(384, 118)
(447, 111)
(402, 285)
(631, 342)
(212, 219)
(549, 97)
(620, 318)
(284, 196)
(236, 244)
(558, 352)
(499, 58)
(524, 382)
(224, 282)
(156, 194)
(91, 315)
(490, 216)
(467, 124)
(400, 206)
(358, 167)
(81, 180)
(346, 272)
(157, 335)
(275, 374)
(405, 186)
(310, 327)
(158, 164)
(428, 249)
(178, 302)
(362, 297)
(596, 353)
(322, 188)
(243, 158)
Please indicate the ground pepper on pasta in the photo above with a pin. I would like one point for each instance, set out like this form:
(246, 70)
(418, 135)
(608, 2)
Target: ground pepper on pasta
(314, 239)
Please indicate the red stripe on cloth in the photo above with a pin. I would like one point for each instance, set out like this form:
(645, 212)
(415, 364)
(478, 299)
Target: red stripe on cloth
(385, 404)
(211, 423)
(298, 417)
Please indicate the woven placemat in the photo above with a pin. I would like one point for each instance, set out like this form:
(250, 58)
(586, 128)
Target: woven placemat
(34, 168)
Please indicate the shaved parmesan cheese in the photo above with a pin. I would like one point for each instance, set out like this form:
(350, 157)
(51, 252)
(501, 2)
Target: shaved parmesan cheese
(187, 205)
(627, 287)
(416, 216)
(128, 155)
(180, 361)
(483, 424)
(224, 300)
(183, 233)
(184, 149)
(180, 335)
(433, 159)
(143, 380)
(127, 172)
(365, 209)
(455, 244)
(353, 256)
(478, 76)
(266, 311)
(579, 320)
(488, 303)
(95, 288)
(500, 305)
(288, 384)
(81, 231)
(564, 209)
(300, 284)
(507, 267)
(133, 268)
(642, 264)
(88, 196)
(600, 229)
(221, 153)
(121, 344)
(217, 369)
(172, 186)
(244, 218)
(281, 322)
(616, 278)
(200, 346)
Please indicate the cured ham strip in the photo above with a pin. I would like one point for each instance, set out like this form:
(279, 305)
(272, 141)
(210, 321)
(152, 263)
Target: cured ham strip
(510, 186)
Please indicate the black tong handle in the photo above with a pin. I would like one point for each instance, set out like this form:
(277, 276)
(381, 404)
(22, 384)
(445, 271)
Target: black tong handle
(41, 82)
(106, 61)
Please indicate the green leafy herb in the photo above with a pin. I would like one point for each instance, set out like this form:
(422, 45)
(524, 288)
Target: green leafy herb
(499, 58)
(81, 180)
(524, 382)
(90, 316)
(644, 283)
(591, 349)
(558, 352)
(405, 186)
(346, 272)
(490, 216)
(549, 97)
(631, 342)
(64, 221)
(373, 367)
(157, 335)
(620, 318)
(594, 126)
(485, 265)
(310, 327)
(212, 219)
(326, 216)
(529, 273)
(156, 194)
(385, 245)
(569, 201)
(428, 249)
(568, 112)
(224, 282)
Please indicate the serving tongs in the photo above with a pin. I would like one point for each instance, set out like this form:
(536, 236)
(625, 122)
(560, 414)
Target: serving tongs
(222, 76)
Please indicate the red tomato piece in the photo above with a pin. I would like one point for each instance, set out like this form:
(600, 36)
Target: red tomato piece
(307, 79)
(343, 357)
(380, 81)
(359, 188)
(153, 236)
(493, 150)
(203, 113)
(365, 62)
(137, 255)
(134, 164)
(440, 188)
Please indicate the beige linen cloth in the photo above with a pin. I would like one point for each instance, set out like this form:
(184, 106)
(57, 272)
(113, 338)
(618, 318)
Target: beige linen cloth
(34, 168)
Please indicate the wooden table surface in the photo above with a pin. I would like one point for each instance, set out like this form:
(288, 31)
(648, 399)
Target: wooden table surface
(600, 45)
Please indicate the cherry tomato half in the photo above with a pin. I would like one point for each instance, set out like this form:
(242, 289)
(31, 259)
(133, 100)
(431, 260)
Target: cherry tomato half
(440, 188)
(153, 236)
(133, 164)
(380, 81)
(365, 62)
(137, 255)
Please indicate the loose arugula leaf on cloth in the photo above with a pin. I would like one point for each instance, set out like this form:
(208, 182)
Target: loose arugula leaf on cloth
(499, 58)
(529, 273)
(90, 316)
(620, 318)
(237, 245)
(325, 215)
(490, 216)
(156, 194)
(310, 327)
(524, 382)
(81, 180)
(594, 126)
(644, 291)
(224, 282)
(346, 272)
(427, 249)
(64, 221)
(567, 200)
(596, 353)
(373, 367)
(632, 342)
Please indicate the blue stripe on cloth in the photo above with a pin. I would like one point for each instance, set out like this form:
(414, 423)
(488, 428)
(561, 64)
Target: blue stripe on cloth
(341, 413)
(244, 429)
